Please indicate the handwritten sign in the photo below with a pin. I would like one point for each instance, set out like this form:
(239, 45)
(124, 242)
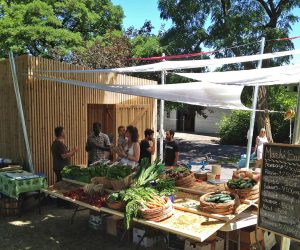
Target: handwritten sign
(279, 205)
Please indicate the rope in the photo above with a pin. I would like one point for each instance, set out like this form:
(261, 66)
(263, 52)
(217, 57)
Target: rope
(157, 58)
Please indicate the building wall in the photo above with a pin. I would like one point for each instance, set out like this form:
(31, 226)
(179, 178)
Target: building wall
(210, 125)
(48, 104)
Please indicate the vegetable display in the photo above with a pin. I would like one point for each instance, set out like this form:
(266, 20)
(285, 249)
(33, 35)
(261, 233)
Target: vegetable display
(146, 173)
(76, 173)
(118, 172)
(99, 170)
(242, 180)
(165, 187)
(220, 198)
(138, 198)
(178, 172)
(241, 183)
(96, 200)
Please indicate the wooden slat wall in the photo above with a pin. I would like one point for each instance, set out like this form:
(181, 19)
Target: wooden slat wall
(49, 104)
(11, 137)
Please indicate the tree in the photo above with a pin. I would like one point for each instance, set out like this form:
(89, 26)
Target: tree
(55, 28)
(225, 24)
(110, 51)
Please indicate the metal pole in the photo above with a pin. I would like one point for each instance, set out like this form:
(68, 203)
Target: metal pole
(162, 110)
(254, 103)
(290, 131)
(296, 134)
(20, 109)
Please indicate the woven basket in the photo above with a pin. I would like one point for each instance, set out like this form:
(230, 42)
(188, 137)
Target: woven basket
(219, 208)
(202, 177)
(118, 185)
(246, 193)
(116, 205)
(187, 181)
(158, 214)
(102, 180)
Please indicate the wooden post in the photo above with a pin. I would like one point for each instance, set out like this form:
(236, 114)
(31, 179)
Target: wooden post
(285, 243)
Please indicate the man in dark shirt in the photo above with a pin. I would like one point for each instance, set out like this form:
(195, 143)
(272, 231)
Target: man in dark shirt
(60, 152)
(171, 152)
(147, 145)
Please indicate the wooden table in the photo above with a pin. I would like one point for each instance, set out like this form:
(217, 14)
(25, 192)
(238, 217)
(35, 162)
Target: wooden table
(183, 223)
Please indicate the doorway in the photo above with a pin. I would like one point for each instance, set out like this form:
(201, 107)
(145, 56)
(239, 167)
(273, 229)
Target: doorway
(106, 115)
(185, 121)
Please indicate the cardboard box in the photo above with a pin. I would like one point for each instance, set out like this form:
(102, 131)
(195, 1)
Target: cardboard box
(217, 244)
(147, 241)
(247, 235)
(112, 223)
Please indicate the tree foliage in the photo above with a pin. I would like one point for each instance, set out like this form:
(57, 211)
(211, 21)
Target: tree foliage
(234, 128)
(224, 24)
(55, 28)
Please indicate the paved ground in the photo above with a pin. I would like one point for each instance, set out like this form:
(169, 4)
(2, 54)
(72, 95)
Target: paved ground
(193, 148)
(52, 229)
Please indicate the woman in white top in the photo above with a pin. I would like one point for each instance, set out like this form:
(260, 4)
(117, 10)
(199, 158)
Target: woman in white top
(261, 139)
(131, 155)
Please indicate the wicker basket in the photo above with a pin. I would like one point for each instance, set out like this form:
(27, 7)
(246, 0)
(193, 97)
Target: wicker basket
(219, 208)
(246, 193)
(102, 180)
(116, 205)
(118, 185)
(158, 214)
(187, 181)
(10, 206)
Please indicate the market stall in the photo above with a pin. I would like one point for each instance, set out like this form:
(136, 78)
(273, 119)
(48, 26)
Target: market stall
(186, 216)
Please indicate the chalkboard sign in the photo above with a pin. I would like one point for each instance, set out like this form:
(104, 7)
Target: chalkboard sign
(279, 203)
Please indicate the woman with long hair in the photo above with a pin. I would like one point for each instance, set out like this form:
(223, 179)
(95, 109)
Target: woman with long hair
(131, 153)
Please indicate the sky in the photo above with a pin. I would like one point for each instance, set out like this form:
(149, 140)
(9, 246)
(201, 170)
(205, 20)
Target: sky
(137, 11)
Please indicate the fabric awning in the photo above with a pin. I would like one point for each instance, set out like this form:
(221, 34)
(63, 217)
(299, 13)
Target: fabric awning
(202, 94)
(267, 76)
(187, 64)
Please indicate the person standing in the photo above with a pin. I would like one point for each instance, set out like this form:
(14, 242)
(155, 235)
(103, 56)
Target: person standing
(60, 152)
(97, 144)
(121, 138)
(261, 139)
(147, 145)
(131, 154)
(171, 150)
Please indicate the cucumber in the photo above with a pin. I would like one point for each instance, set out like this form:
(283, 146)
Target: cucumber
(227, 201)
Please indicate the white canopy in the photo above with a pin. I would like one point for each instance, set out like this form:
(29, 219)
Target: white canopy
(203, 94)
(186, 64)
(267, 76)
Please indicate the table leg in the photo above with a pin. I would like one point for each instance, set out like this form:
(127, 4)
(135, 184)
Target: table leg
(227, 241)
(74, 213)
(239, 239)
(39, 198)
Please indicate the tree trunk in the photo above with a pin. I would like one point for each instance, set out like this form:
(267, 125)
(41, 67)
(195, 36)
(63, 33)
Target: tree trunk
(263, 118)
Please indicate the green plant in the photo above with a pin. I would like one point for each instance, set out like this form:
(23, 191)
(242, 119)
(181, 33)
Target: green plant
(146, 173)
(165, 187)
(136, 198)
(118, 172)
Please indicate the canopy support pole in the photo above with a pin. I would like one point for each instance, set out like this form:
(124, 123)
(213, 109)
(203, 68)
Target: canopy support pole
(161, 118)
(296, 134)
(254, 104)
(20, 109)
